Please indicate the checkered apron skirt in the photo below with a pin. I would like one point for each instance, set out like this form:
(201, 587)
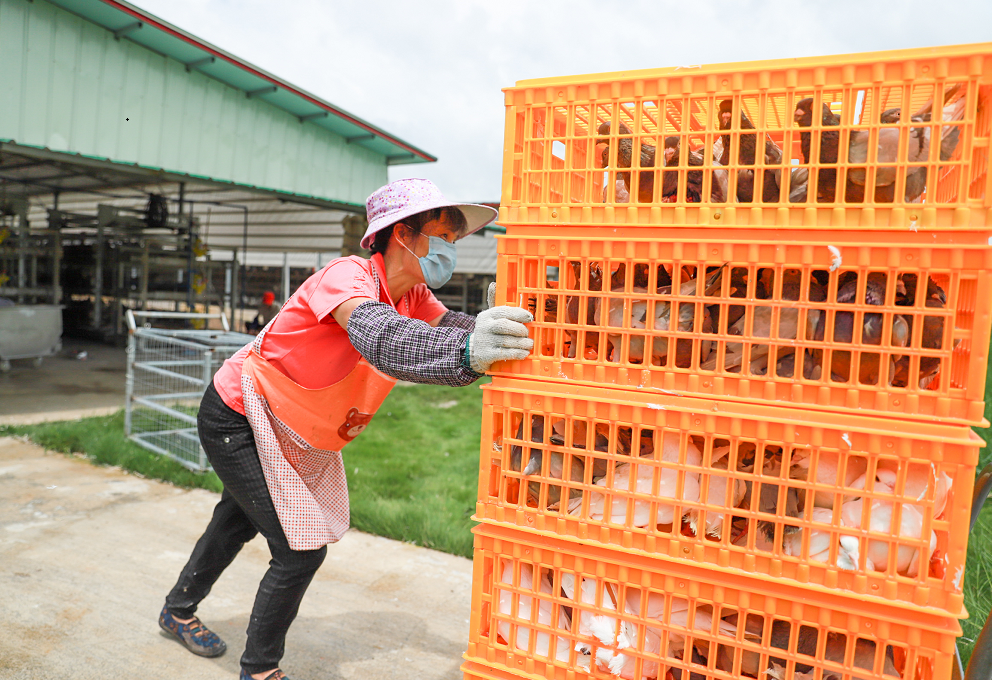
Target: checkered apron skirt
(299, 434)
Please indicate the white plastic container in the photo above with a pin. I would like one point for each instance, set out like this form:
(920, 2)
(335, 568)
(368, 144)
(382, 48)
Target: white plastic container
(29, 332)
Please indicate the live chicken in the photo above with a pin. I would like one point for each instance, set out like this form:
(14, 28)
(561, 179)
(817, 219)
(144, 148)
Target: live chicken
(624, 159)
(639, 477)
(747, 151)
(635, 312)
(519, 607)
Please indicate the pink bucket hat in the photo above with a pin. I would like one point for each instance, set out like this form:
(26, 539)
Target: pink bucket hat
(404, 197)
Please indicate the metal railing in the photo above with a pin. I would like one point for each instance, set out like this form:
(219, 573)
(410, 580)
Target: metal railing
(167, 372)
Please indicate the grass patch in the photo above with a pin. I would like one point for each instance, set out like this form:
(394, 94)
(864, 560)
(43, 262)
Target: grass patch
(414, 473)
(978, 571)
(102, 440)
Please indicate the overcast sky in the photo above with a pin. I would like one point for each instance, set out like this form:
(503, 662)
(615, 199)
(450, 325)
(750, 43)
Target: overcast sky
(431, 72)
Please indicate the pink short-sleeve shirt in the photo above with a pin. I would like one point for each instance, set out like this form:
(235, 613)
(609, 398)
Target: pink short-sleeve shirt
(306, 343)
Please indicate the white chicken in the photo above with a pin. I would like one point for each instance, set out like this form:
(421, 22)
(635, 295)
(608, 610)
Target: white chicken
(821, 540)
(881, 520)
(828, 472)
(717, 496)
(920, 478)
(612, 633)
(523, 615)
(616, 634)
(637, 313)
(639, 477)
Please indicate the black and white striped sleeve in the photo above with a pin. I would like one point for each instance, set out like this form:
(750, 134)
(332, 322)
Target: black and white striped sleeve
(410, 349)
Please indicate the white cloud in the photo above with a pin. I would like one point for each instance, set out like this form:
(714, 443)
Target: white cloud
(431, 72)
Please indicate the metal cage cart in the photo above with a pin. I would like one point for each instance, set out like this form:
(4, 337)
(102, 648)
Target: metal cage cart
(167, 372)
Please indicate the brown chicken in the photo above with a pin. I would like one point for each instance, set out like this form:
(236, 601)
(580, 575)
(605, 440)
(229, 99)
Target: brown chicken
(873, 327)
(826, 186)
(826, 178)
(624, 159)
(746, 156)
(670, 178)
(919, 146)
(932, 336)
(694, 178)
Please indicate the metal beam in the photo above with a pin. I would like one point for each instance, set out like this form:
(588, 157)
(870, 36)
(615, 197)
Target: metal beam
(313, 116)
(158, 176)
(199, 63)
(21, 166)
(268, 89)
(254, 235)
(391, 160)
(361, 138)
(124, 30)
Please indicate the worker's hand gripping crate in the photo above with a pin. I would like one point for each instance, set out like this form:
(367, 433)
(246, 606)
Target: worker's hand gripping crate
(880, 323)
(883, 141)
(547, 608)
(839, 505)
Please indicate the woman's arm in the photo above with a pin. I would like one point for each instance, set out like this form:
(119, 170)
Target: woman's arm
(404, 348)
(452, 319)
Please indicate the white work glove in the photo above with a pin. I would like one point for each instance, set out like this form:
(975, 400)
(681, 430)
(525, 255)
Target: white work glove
(499, 335)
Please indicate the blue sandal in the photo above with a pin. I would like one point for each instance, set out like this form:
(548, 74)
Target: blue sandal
(196, 637)
(274, 675)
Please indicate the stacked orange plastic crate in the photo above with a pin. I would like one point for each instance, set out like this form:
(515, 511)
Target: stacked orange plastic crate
(741, 447)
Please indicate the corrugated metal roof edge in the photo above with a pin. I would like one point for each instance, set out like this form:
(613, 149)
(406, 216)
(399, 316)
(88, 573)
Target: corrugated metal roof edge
(161, 25)
(44, 153)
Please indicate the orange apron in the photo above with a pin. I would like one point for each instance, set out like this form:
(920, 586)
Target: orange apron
(299, 434)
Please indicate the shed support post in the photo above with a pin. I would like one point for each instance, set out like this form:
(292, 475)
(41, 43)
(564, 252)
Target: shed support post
(56, 266)
(285, 276)
(56, 232)
(98, 278)
(227, 301)
(22, 244)
(235, 288)
(143, 282)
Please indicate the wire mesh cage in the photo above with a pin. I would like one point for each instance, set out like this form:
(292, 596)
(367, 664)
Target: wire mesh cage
(167, 372)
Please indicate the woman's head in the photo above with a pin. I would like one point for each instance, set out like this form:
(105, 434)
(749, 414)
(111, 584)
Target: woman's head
(417, 201)
(447, 223)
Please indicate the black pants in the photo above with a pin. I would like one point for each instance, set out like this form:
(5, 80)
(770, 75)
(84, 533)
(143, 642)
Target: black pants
(245, 509)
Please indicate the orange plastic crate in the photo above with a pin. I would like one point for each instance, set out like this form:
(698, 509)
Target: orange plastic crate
(787, 321)
(570, 159)
(548, 608)
(473, 670)
(839, 504)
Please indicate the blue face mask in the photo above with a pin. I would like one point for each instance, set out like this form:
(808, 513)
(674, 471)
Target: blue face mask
(439, 263)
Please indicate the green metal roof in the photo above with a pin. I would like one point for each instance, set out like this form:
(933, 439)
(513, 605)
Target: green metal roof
(128, 22)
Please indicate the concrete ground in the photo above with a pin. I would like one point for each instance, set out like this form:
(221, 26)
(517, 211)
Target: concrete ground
(64, 387)
(87, 555)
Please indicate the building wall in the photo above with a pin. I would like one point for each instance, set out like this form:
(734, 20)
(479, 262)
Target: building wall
(66, 84)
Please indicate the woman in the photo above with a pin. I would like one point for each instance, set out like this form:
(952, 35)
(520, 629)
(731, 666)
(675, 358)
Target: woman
(279, 411)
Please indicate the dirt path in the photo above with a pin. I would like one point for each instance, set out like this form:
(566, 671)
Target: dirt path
(87, 555)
